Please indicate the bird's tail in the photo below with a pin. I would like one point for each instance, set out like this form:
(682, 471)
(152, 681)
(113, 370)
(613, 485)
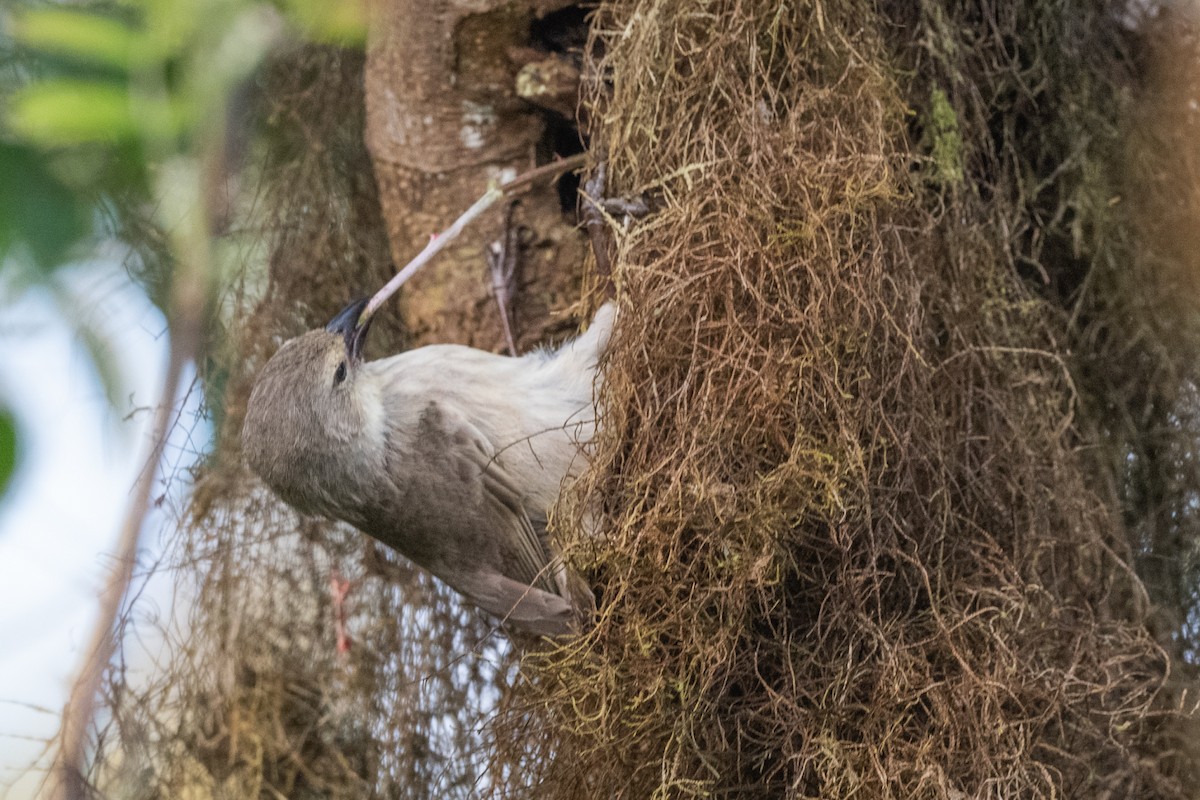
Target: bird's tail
(573, 365)
(588, 346)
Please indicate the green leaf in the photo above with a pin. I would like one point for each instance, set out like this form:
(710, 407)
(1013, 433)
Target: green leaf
(65, 112)
(36, 209)
(8, 449)
(71, 111)
(342, 23)
(86, 37)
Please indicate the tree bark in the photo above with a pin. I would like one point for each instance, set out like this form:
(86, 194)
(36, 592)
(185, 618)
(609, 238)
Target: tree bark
(444, 119)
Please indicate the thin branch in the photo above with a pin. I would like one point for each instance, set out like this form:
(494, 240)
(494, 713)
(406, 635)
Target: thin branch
(182, 191)
(68, 782)
(551, 170)
(503, 258)
(434, 247)
(439, 241)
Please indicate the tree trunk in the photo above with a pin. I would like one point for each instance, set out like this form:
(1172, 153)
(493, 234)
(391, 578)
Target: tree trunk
(443, 120)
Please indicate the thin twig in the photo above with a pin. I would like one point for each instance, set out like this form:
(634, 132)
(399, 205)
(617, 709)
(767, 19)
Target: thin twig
(435, 246)
(67, 772)
(439, 241)
(190, 239)
(551, 170)
(503, 257)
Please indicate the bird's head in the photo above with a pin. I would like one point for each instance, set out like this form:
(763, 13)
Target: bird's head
(308, 412)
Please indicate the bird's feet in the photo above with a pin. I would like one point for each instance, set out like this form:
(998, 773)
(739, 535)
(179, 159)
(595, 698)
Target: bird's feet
(598, 210)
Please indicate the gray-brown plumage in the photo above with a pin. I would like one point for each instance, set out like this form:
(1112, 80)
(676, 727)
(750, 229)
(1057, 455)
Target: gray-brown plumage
(449, 454)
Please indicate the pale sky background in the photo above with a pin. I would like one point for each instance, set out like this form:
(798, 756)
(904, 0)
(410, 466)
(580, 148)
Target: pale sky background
(60, 517)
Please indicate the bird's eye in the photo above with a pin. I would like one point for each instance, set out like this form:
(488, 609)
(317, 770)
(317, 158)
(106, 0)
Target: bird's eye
(340, 374)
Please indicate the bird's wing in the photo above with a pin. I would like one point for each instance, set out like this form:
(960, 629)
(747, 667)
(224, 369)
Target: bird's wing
(521, 535)
(532, 609)
(472, 459)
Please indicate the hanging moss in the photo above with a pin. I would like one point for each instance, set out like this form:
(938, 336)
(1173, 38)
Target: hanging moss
(861, 540)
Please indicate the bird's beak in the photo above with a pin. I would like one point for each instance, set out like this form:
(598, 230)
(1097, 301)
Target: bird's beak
(348, 324)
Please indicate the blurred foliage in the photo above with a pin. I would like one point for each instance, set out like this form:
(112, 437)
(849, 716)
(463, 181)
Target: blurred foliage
(40, 217)
(110, 112)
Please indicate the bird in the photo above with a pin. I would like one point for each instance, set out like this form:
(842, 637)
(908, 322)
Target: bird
(448, 454)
